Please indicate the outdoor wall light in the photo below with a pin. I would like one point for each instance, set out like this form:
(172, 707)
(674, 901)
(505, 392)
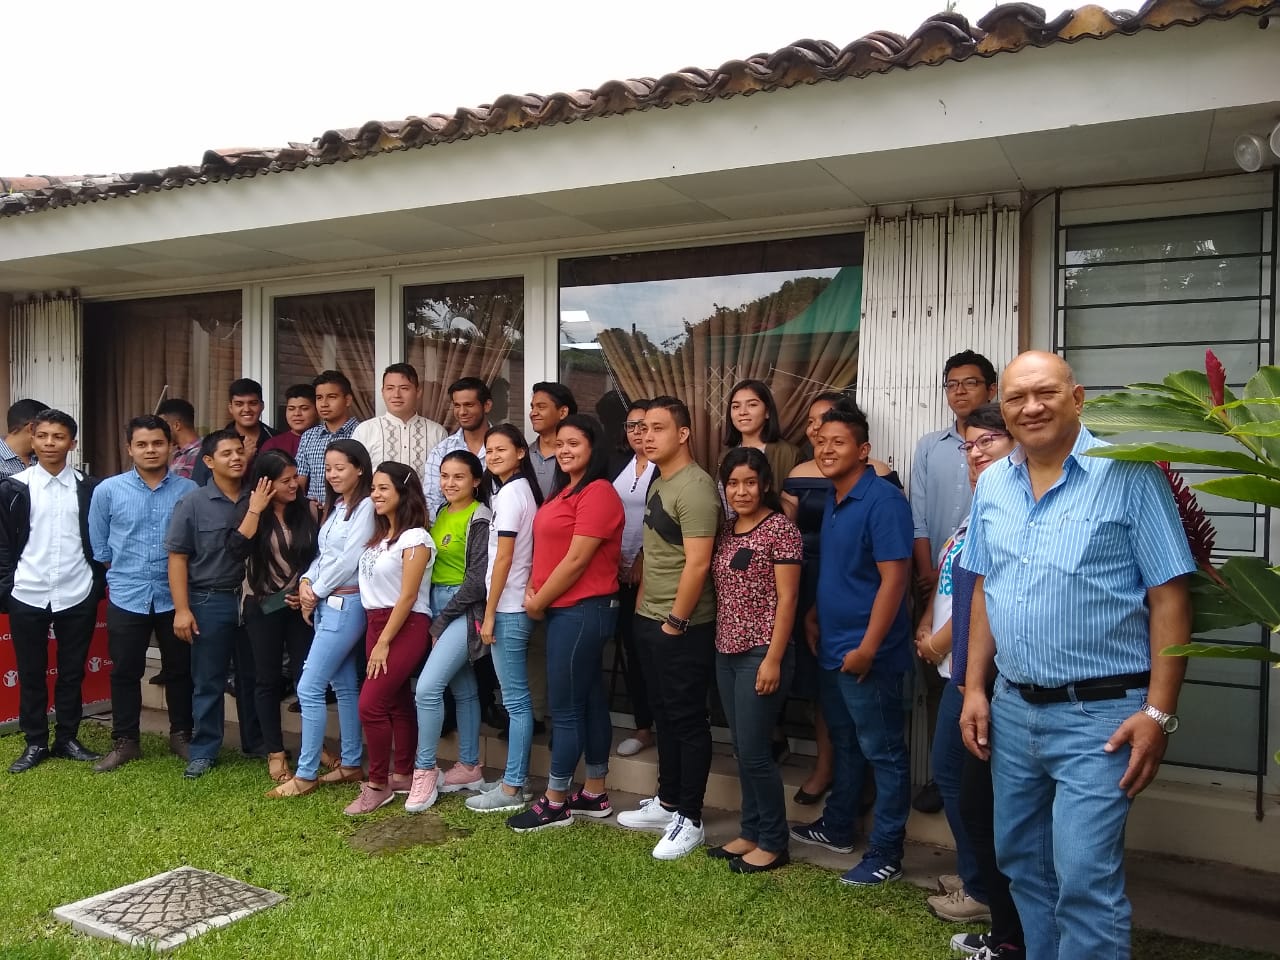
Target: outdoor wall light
(1275, 140)
(1250, 152)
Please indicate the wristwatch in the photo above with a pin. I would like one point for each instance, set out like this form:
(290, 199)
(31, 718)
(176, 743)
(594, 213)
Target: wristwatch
(675, 623)
(1168, 721)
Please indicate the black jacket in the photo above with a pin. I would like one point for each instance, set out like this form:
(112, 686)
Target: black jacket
(15, 530)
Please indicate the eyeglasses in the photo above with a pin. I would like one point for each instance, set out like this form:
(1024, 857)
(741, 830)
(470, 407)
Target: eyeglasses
(969, 383)
(633, 425)
(982, 443)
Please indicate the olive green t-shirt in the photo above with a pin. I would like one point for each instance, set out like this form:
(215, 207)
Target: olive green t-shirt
(686, 504)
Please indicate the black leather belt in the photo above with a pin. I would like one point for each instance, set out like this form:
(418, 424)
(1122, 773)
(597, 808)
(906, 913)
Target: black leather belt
(1100, 688)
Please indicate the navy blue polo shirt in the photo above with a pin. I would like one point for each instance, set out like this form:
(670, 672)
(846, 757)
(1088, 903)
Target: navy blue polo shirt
(871, 525)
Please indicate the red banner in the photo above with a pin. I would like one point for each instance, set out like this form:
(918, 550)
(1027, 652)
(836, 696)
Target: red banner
(97, 669)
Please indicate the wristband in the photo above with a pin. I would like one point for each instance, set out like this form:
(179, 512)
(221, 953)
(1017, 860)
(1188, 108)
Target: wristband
(675, 623)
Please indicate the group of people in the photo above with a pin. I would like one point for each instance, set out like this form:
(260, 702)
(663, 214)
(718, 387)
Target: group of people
(388, 561)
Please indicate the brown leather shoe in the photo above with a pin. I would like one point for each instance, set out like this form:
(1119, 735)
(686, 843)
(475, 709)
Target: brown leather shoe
(293, 787)
(122, 751)
(341, 774)
(180, 744)
(278, 767)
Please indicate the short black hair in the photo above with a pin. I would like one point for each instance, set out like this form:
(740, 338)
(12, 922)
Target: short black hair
(678, 409)
(300, 391)
(24, 413)
(147, 421)
(334, 377)
(406, 370)
(558, 392)
(244, 387)
(968, 358)
(986, 417)
(644, 403)
(61, 418)
(209, 445)
(851, 417)
(483, 393)
(180, 409)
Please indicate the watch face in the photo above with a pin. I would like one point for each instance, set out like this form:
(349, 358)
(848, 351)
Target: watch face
(1171, 724)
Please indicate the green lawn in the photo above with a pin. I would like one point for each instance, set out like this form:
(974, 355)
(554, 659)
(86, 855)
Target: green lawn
(588, 891)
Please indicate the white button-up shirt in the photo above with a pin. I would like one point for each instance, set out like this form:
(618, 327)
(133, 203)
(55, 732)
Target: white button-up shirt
(52, 571)
(389, 438)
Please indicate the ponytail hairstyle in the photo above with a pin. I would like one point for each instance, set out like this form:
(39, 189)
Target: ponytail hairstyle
(358, 457)
(491, 483)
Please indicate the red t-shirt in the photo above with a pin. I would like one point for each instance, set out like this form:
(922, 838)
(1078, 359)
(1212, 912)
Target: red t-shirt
(595, 512)
(287, 441)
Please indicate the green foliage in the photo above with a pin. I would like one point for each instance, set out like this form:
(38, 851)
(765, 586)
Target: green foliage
(1245, 589)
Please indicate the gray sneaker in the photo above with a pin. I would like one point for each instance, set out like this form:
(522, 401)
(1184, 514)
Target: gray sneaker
(496, 800)
(197, 768)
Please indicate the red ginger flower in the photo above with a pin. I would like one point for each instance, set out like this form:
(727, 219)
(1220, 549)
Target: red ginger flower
(1199, 531)
(1217, 377)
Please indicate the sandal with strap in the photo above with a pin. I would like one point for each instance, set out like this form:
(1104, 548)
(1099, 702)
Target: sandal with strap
(341, 774)
(293, 787)
(278, 767)
(328, 759)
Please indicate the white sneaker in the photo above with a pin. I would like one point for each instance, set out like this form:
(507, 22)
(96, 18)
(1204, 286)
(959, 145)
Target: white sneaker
(496, 800)
(650, 815)
(681, 838)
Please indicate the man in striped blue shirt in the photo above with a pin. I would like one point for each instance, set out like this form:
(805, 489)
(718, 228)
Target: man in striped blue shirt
(1082, 567)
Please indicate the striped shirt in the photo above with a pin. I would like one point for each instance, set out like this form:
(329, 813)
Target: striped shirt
(1067, 576)
(311, 447)
(431, 470)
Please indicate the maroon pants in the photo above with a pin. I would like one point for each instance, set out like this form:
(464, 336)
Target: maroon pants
(386, 701)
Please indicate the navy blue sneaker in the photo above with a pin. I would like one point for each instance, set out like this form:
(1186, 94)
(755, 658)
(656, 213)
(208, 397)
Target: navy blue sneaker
(874, 869)
(197, 767)
(817, 835)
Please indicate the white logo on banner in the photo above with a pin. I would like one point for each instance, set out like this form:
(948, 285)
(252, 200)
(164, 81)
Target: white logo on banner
(11, 678)
(94, 664)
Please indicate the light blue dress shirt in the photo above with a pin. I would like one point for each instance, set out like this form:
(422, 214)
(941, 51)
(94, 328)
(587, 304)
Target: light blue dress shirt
(127, 524)
(341, 543)
(1067, 576)
(940, 491)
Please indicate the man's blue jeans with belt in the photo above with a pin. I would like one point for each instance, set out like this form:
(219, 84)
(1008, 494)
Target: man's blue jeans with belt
(1060, 817)
(221, 638)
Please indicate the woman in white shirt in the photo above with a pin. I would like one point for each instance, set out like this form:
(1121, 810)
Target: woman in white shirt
(329, 595)
(514, 498)
(632, 485)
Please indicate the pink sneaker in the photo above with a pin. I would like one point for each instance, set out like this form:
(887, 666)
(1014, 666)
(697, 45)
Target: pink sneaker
(462, 776)
(400, 782)
(423, 793)
(369, 800)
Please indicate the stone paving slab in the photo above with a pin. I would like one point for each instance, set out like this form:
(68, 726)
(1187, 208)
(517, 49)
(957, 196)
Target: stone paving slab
(168, 909)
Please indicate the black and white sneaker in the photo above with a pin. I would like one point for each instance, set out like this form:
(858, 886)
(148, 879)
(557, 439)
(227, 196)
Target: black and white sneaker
(540, 816)
(970, 943)
(596, 807)
(816, 834)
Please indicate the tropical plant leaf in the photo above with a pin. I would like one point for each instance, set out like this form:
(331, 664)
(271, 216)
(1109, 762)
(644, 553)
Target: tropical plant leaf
(1255, 586)
(1126, 413)
(1265, 428)
(1213, 607)
(1222, 651)
(1173, 401)
(1161, 388)
(1191, 383)
(1251, 489)
(1174, 453)
(1252, 402)
(1262, 394)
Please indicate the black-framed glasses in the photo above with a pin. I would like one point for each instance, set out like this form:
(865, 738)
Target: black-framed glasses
(982, 443)
(633, 425)
(969, 383)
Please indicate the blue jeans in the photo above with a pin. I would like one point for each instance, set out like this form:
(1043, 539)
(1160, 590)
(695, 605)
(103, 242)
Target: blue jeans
(510, 653)
(576, 637)
(1060, 817)
(448, 665)
(865, 721)
(948, 758)
(221, 639)
(331, 662)
(752, 719)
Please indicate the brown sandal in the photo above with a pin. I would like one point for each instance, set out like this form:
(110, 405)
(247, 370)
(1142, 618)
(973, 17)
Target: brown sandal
(293, 787)
(278, 767)
(329, 759)
(341, 774)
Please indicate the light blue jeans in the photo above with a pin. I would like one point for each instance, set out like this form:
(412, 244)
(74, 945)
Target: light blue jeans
(331, 662)
(447, 666)
(510, 653)
(1060, 817)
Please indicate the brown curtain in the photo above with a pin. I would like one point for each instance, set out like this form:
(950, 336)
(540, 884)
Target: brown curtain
(800, 340)
(467, 329)
(138, 352)
(323, 331)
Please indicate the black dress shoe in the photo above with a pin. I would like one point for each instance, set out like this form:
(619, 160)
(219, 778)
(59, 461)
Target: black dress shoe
(720, 853)
(738, 865)
(33, 756)
(73, 749)
(803, 796)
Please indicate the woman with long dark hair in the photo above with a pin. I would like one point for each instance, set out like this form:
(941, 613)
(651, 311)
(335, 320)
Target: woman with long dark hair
(751, 420)
(329, 596)
(514, 497)
(756, 569)
(577, 544)
(461, 535)
(276, 537)
(395, 588)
